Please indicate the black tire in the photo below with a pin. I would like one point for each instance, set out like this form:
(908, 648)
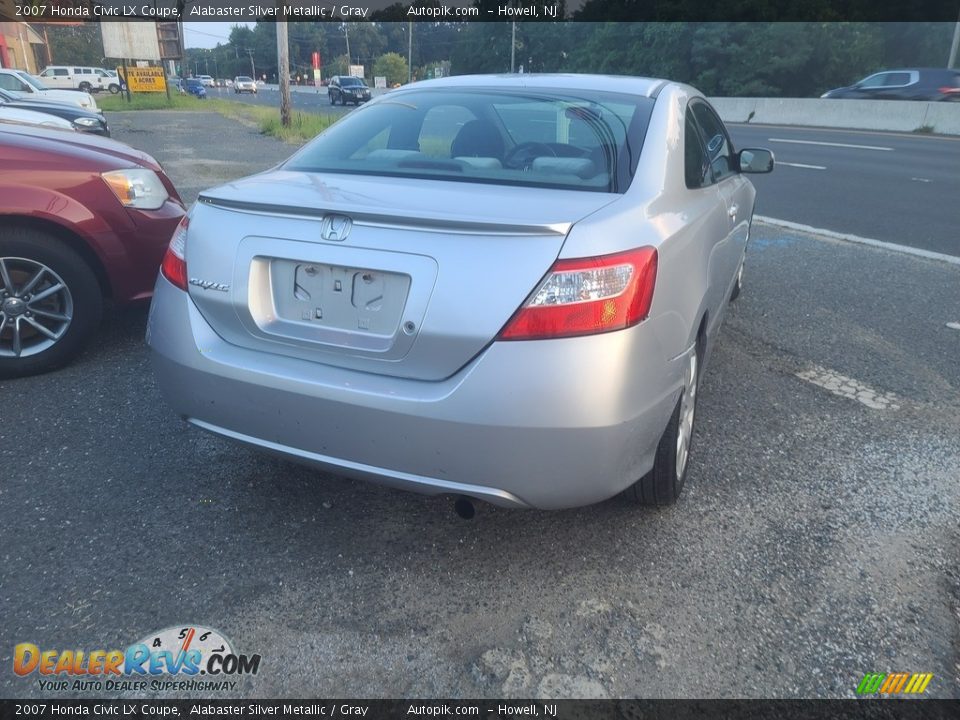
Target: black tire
(114, 88)
(738, 285)
(19, 247)
(85, 86)
(664, 484)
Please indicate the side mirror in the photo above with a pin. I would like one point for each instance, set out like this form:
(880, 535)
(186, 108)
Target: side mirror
(755, 160)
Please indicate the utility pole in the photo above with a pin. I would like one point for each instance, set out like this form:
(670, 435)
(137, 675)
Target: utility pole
(513, 45)
(253, 69)
(346, 33)
(952, 62)
(283, 70)
(409, 51)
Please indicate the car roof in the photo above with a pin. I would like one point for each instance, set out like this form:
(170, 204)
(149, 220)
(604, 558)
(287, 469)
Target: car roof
(648, 87)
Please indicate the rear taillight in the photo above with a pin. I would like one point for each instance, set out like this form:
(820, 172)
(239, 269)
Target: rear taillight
(950, 90)
(174, 266)
(585, 296)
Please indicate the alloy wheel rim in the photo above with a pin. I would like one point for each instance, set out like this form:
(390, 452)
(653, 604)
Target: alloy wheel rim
(36, 307)
(688, 406)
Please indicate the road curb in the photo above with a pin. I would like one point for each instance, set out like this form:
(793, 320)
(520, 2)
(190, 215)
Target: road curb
(870, 242)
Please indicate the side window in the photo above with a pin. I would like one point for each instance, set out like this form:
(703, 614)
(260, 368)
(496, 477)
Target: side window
(878, 80)
(9, 82)
(47, 73)
(694, 156)
(897, 79)
(715, 140)
(61, 72)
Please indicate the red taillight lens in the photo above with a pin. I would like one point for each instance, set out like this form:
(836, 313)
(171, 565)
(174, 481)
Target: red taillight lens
(174, 265)
(587, 296)
(950, 90)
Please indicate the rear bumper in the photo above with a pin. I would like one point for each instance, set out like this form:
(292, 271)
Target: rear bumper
(522, 425)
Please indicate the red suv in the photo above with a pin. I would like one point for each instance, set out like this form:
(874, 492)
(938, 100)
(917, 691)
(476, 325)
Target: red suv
(82, 219)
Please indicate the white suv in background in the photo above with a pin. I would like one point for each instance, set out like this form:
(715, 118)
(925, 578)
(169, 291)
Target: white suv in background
(110, 80)
(28, 87)
(71, 77)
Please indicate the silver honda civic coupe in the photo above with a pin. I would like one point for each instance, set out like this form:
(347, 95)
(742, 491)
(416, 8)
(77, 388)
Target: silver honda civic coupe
(494, 287)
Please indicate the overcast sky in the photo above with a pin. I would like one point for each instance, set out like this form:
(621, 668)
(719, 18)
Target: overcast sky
(208, 34)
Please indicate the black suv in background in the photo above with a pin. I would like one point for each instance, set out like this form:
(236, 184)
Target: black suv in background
(931, 84)
(344, 89)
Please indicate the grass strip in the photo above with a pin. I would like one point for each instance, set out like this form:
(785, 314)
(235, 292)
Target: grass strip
(303, 126)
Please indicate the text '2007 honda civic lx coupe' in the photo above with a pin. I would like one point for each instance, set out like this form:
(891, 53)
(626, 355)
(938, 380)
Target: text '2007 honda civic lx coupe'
(500, 288)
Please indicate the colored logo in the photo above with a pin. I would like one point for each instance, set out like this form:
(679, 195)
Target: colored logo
(894, 683)
(184, 652)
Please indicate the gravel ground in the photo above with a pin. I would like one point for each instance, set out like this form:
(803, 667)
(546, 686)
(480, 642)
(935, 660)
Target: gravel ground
(817, 539)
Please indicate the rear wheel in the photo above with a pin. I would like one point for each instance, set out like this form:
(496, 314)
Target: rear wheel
(664, 483)
(85, 86)
(50, 303)
(114, 88)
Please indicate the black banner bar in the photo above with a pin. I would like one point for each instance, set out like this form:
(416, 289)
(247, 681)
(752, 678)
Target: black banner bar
(480, 10)
(346, 709)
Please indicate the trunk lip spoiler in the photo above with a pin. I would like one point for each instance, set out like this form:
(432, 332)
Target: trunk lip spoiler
(422, 223)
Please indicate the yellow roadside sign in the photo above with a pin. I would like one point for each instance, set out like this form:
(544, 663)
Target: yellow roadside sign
(148, 79)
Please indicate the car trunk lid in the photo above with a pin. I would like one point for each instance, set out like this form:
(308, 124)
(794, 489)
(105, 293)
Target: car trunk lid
(396, 276)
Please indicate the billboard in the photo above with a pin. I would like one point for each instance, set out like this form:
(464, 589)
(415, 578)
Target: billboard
(137, 40)
(142, 40)
(144, 79)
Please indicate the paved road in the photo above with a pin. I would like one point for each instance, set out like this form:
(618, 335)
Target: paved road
(898, 188)
(817, 539)
(831, 179)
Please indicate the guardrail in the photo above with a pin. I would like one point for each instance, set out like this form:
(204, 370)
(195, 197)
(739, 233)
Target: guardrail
(941, 118)
(894, 115)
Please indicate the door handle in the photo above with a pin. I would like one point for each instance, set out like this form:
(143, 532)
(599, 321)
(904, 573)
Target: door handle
(732, 211)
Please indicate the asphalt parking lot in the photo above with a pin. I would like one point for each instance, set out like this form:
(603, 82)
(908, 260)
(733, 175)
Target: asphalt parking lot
(817, 539)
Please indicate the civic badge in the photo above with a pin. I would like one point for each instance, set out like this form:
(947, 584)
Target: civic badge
(335, 227)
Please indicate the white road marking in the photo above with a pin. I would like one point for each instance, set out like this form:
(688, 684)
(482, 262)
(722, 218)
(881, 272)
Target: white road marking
(846, 237)
(921, 180)
(830, 144)
(801, 165)
(846, 387)
(953, 325)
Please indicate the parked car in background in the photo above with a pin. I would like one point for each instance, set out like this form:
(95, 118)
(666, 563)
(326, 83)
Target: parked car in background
(82, 219)
(194, 86)
(344, 89)
(930, 84)
(206, 80)
(32, 117)
(71, 77)
(26, 86)
(110, 79)
(82, 120)
(496, 287)
(242, 84)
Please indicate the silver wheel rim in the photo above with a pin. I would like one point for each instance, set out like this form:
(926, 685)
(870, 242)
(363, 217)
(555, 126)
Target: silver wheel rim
(36, 307)
(688, 406)
(740, 276)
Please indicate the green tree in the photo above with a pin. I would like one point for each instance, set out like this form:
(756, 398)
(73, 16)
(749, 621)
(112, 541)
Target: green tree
(74, 44)
(392, 66)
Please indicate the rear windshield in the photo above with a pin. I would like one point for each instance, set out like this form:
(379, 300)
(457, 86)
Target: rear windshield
(578, 140)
